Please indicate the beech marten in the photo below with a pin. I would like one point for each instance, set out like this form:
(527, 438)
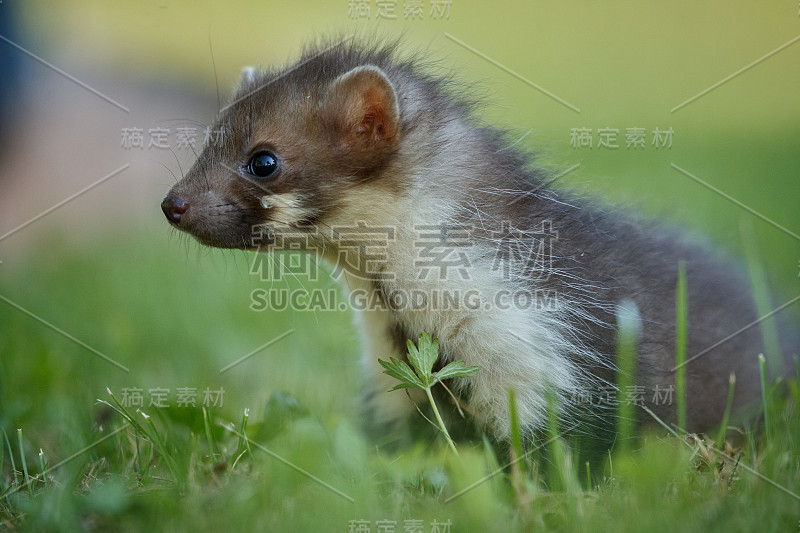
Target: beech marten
(383, 168)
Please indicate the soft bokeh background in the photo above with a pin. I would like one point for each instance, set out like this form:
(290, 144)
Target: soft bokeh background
(106, 268)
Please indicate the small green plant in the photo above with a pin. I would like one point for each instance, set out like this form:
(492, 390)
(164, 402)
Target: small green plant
(422, 358)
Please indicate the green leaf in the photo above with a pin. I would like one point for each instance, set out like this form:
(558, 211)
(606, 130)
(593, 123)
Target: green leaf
(456, 369)
(423, 356)
(431, 354)
(402, 372)
(415, 357)
(405, 386)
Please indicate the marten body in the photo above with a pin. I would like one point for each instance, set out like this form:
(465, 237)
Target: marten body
(353, 137)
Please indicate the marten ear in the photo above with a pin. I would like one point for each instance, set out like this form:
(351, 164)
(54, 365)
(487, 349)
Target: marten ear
(362, 110)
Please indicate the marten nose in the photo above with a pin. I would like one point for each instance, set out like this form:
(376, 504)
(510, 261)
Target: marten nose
(174, 207)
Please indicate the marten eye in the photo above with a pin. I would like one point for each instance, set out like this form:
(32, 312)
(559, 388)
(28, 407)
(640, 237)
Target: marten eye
(262, 165)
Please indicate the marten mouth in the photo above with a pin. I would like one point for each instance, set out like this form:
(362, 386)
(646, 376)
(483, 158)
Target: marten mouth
(228, 234)
(221, 225)
(230, 242)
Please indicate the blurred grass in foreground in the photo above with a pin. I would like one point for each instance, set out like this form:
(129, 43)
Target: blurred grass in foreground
(175, 321)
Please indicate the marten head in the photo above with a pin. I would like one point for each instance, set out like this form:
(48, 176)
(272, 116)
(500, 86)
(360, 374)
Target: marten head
(294, 146)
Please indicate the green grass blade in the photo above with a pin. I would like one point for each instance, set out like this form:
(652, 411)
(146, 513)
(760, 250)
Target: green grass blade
(763, 300)
(516, 435)
(555, 446)
(561, 475)
(139, 433)
(161, 447)
(209, 436)
(762, 370)
(122, 411)
(728, 406)
(2, 464)
(681, 342)
(138, 453)
(588, 476)
(24, 462)
(11, 457)
(43, 466)
(244, 442)
(628, 329)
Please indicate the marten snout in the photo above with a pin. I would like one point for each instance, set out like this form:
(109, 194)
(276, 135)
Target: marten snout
(174, 207)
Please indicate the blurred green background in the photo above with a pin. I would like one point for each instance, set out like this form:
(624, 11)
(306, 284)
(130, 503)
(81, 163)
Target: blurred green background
(108, 270)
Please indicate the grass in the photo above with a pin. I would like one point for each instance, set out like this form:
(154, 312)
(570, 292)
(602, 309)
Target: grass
(284, 451)
(175, 318)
